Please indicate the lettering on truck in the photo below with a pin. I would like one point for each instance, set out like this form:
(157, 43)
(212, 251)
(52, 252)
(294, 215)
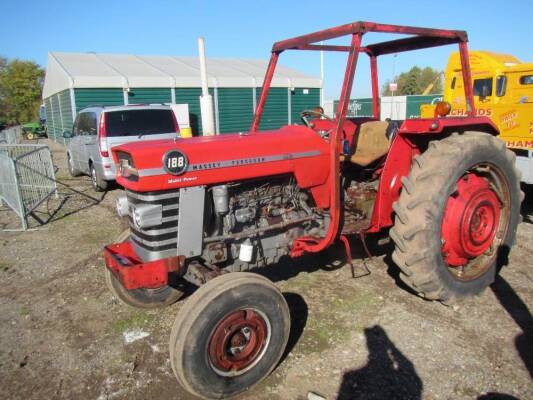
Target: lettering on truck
(508, 120)
(459, 112)
(520, 143)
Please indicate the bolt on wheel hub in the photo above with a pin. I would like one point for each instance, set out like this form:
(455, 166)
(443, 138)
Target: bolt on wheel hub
(238, 342)
(471, 220)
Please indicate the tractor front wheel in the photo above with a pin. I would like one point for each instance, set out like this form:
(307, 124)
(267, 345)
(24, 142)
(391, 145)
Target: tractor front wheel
(229, 335)
(456, 217)
(142, 298)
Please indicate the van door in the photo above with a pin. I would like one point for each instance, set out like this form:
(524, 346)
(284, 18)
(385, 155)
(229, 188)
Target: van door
(89, 146)
(74, 143)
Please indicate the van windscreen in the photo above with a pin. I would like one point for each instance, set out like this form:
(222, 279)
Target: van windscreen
(139, 122)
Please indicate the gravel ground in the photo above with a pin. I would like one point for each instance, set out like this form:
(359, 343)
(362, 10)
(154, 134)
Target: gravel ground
(64, 336)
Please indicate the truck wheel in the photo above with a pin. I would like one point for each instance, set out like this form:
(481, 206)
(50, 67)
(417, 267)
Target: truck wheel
(71, 170)
(456, 217)
(99, 184)
(229, 335)
(142, 298)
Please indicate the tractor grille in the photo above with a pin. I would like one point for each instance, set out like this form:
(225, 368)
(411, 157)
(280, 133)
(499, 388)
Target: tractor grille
(161, 240)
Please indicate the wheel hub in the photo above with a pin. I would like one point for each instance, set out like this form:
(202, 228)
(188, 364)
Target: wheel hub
(237, 342)
(471, 220)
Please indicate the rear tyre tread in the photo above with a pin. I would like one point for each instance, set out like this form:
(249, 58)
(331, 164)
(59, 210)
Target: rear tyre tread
(416, 252)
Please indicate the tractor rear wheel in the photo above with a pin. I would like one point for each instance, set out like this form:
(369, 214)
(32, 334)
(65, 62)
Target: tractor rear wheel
(229, 335)
(456, 217)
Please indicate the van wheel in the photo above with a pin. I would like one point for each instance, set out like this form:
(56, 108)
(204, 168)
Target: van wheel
(99, 184)
(142, 298)
(229, 335)
(456, 217)
(71, 170)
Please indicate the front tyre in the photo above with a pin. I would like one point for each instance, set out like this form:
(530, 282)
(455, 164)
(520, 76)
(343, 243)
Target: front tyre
(229, 335)
(456, 217)
(142, 298)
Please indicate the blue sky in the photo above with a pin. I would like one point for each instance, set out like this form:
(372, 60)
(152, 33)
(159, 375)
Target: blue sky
(247, 29)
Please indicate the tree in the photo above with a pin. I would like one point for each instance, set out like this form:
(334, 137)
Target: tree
(21, 85)
(415, 81)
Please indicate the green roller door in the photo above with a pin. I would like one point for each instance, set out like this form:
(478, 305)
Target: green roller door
(149, 96)
(191, 96)
(66, 110)
(49, 118)
(276, 111)
(303, 99)
(235, 109)
(56, 116)
(357, 107)
(104, 97)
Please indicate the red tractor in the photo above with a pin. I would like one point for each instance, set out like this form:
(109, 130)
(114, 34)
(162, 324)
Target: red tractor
(206, 209)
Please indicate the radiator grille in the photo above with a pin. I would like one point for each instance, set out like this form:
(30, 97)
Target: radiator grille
(157, 238)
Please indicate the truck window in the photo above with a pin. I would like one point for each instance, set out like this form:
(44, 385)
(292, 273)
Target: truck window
(501, 85)
(139, 122)
(479, 84)
(526, 80)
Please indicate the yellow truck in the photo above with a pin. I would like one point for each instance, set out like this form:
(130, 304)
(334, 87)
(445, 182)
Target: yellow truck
(503, 91)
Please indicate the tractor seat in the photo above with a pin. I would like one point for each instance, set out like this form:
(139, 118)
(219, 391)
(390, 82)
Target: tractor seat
(372, 143)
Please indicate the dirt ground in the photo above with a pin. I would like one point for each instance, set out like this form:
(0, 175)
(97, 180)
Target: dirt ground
(64, 336)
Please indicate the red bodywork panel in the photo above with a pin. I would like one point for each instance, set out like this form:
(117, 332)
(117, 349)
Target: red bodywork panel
(290, 150)
(133, 273)
(403, 149)
(426, 125)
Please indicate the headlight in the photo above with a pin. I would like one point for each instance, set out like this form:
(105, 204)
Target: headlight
(122, 206)
(137, 219)
(147, 215)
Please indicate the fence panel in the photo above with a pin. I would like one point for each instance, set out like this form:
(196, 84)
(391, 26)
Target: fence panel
(26, 177)
(8, 184)
(11, 135)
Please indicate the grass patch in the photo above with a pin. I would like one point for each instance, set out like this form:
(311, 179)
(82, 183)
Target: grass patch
(333, 311)
(24, 311)
(138, 319)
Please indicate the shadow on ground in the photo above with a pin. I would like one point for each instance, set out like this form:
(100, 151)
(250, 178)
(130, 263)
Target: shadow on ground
(388, 373)
(299, 312)
(527, 204)
(519, 312)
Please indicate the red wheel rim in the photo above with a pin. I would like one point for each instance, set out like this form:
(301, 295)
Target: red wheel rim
(238, 342)
(470, 225)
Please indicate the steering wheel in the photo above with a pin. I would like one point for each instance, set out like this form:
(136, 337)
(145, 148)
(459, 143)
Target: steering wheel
(316, 113)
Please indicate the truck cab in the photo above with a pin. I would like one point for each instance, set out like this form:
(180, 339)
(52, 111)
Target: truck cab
(503, 91)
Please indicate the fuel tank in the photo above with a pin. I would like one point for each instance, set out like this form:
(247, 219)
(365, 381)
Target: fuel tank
(171, 164)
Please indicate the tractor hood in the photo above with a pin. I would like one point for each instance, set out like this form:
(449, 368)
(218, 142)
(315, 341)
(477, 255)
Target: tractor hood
(209, 160)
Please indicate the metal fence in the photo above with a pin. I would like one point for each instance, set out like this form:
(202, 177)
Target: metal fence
(26, 178)
(11, 135)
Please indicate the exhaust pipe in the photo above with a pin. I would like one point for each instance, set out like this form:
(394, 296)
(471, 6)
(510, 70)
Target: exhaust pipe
(206, 100)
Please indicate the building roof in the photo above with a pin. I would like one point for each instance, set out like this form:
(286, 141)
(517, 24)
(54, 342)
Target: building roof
(102, 70)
